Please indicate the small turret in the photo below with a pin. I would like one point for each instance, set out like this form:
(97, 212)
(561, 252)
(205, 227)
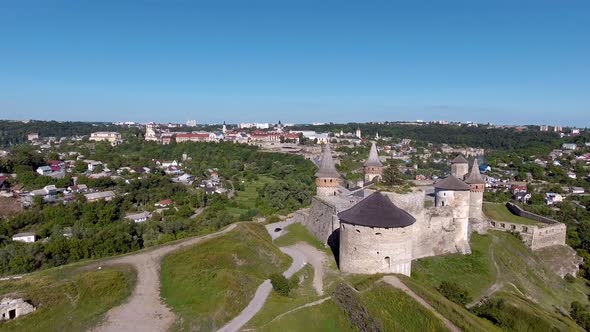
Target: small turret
(327, 177)
(478, 186)
(475, 180)
(373, 167)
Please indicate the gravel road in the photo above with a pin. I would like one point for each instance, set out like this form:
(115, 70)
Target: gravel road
(144, 310)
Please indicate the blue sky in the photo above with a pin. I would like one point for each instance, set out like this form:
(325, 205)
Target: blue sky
(297, 61)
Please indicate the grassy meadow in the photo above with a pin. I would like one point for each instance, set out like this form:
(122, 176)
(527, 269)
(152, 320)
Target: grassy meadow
(519, 276)
(208, 284)
(69, 298)
(499, 212)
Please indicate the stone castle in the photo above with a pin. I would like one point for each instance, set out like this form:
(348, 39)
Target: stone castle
(382, 232)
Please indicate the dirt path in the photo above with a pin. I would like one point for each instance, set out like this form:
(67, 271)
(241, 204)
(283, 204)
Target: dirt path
(307, 305)
(144, 310)
(496, 286)
(317, 259)
(395, 282)
(263, 292)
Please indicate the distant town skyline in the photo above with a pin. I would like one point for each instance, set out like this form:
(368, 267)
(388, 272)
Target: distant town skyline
(504, 62)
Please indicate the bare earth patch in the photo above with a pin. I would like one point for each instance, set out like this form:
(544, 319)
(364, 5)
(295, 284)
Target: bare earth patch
(145, 310)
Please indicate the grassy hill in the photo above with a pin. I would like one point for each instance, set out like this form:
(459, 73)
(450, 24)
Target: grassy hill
(502, 267)
(70, 298)
(208, 284)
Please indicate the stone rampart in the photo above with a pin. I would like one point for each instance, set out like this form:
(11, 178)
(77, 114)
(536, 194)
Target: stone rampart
(322, 220)
(517, 210)
(550, 235)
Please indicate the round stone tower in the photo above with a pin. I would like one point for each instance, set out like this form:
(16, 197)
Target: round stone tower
(459, 167)
(327, 177)
(455, 193)
(477, 187)
(373, 167)
(376, 237)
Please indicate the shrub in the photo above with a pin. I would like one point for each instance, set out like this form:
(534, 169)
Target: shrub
(569, 278)
(580, 314)
(355, 311)
(280, 284)
(454, 292)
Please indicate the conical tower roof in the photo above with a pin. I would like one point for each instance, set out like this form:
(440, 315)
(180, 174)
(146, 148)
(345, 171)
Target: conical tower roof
(459, 160)
(452, 183)
(373, 160)
(475, 176)
(327, 168)
(376, 211)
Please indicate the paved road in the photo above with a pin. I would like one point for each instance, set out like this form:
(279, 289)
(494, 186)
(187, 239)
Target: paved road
(270, 228)
(145, 311)
(395, 282)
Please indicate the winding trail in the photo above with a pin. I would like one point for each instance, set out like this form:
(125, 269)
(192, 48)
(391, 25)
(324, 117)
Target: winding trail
(144, 310)
(301, 253)
(395, 282)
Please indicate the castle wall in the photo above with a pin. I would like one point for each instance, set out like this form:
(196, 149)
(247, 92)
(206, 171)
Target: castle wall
(321, 220)
(434, 233)
(534, 236)
(547, 236)
(526, 231)
(369, 250)
(529, 215)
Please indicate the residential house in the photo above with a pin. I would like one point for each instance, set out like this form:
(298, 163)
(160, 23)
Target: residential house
(515, 189)
(106, 195)
(138, 217)
(44, 170)
(78, 188)
(577, 190)
(552, 198)
(32, 137)
(24, 237)
(50, 190)
(523, 197)
(184, 178)
(164, 203)
(569, 146)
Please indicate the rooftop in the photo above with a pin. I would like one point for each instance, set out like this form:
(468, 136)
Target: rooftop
(451, 183)
(327, 169)
(376, 211)
(373, 160)
(459, 160)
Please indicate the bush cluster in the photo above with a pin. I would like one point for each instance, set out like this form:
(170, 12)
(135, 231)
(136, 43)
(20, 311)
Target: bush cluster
(355, 311)
(280, 284)
(454, 292)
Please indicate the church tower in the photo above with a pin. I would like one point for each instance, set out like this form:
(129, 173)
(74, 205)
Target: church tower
(373, 167)
(459, 167)
(478, 186)
(327, 177)
(224, 128)
(358, 132)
